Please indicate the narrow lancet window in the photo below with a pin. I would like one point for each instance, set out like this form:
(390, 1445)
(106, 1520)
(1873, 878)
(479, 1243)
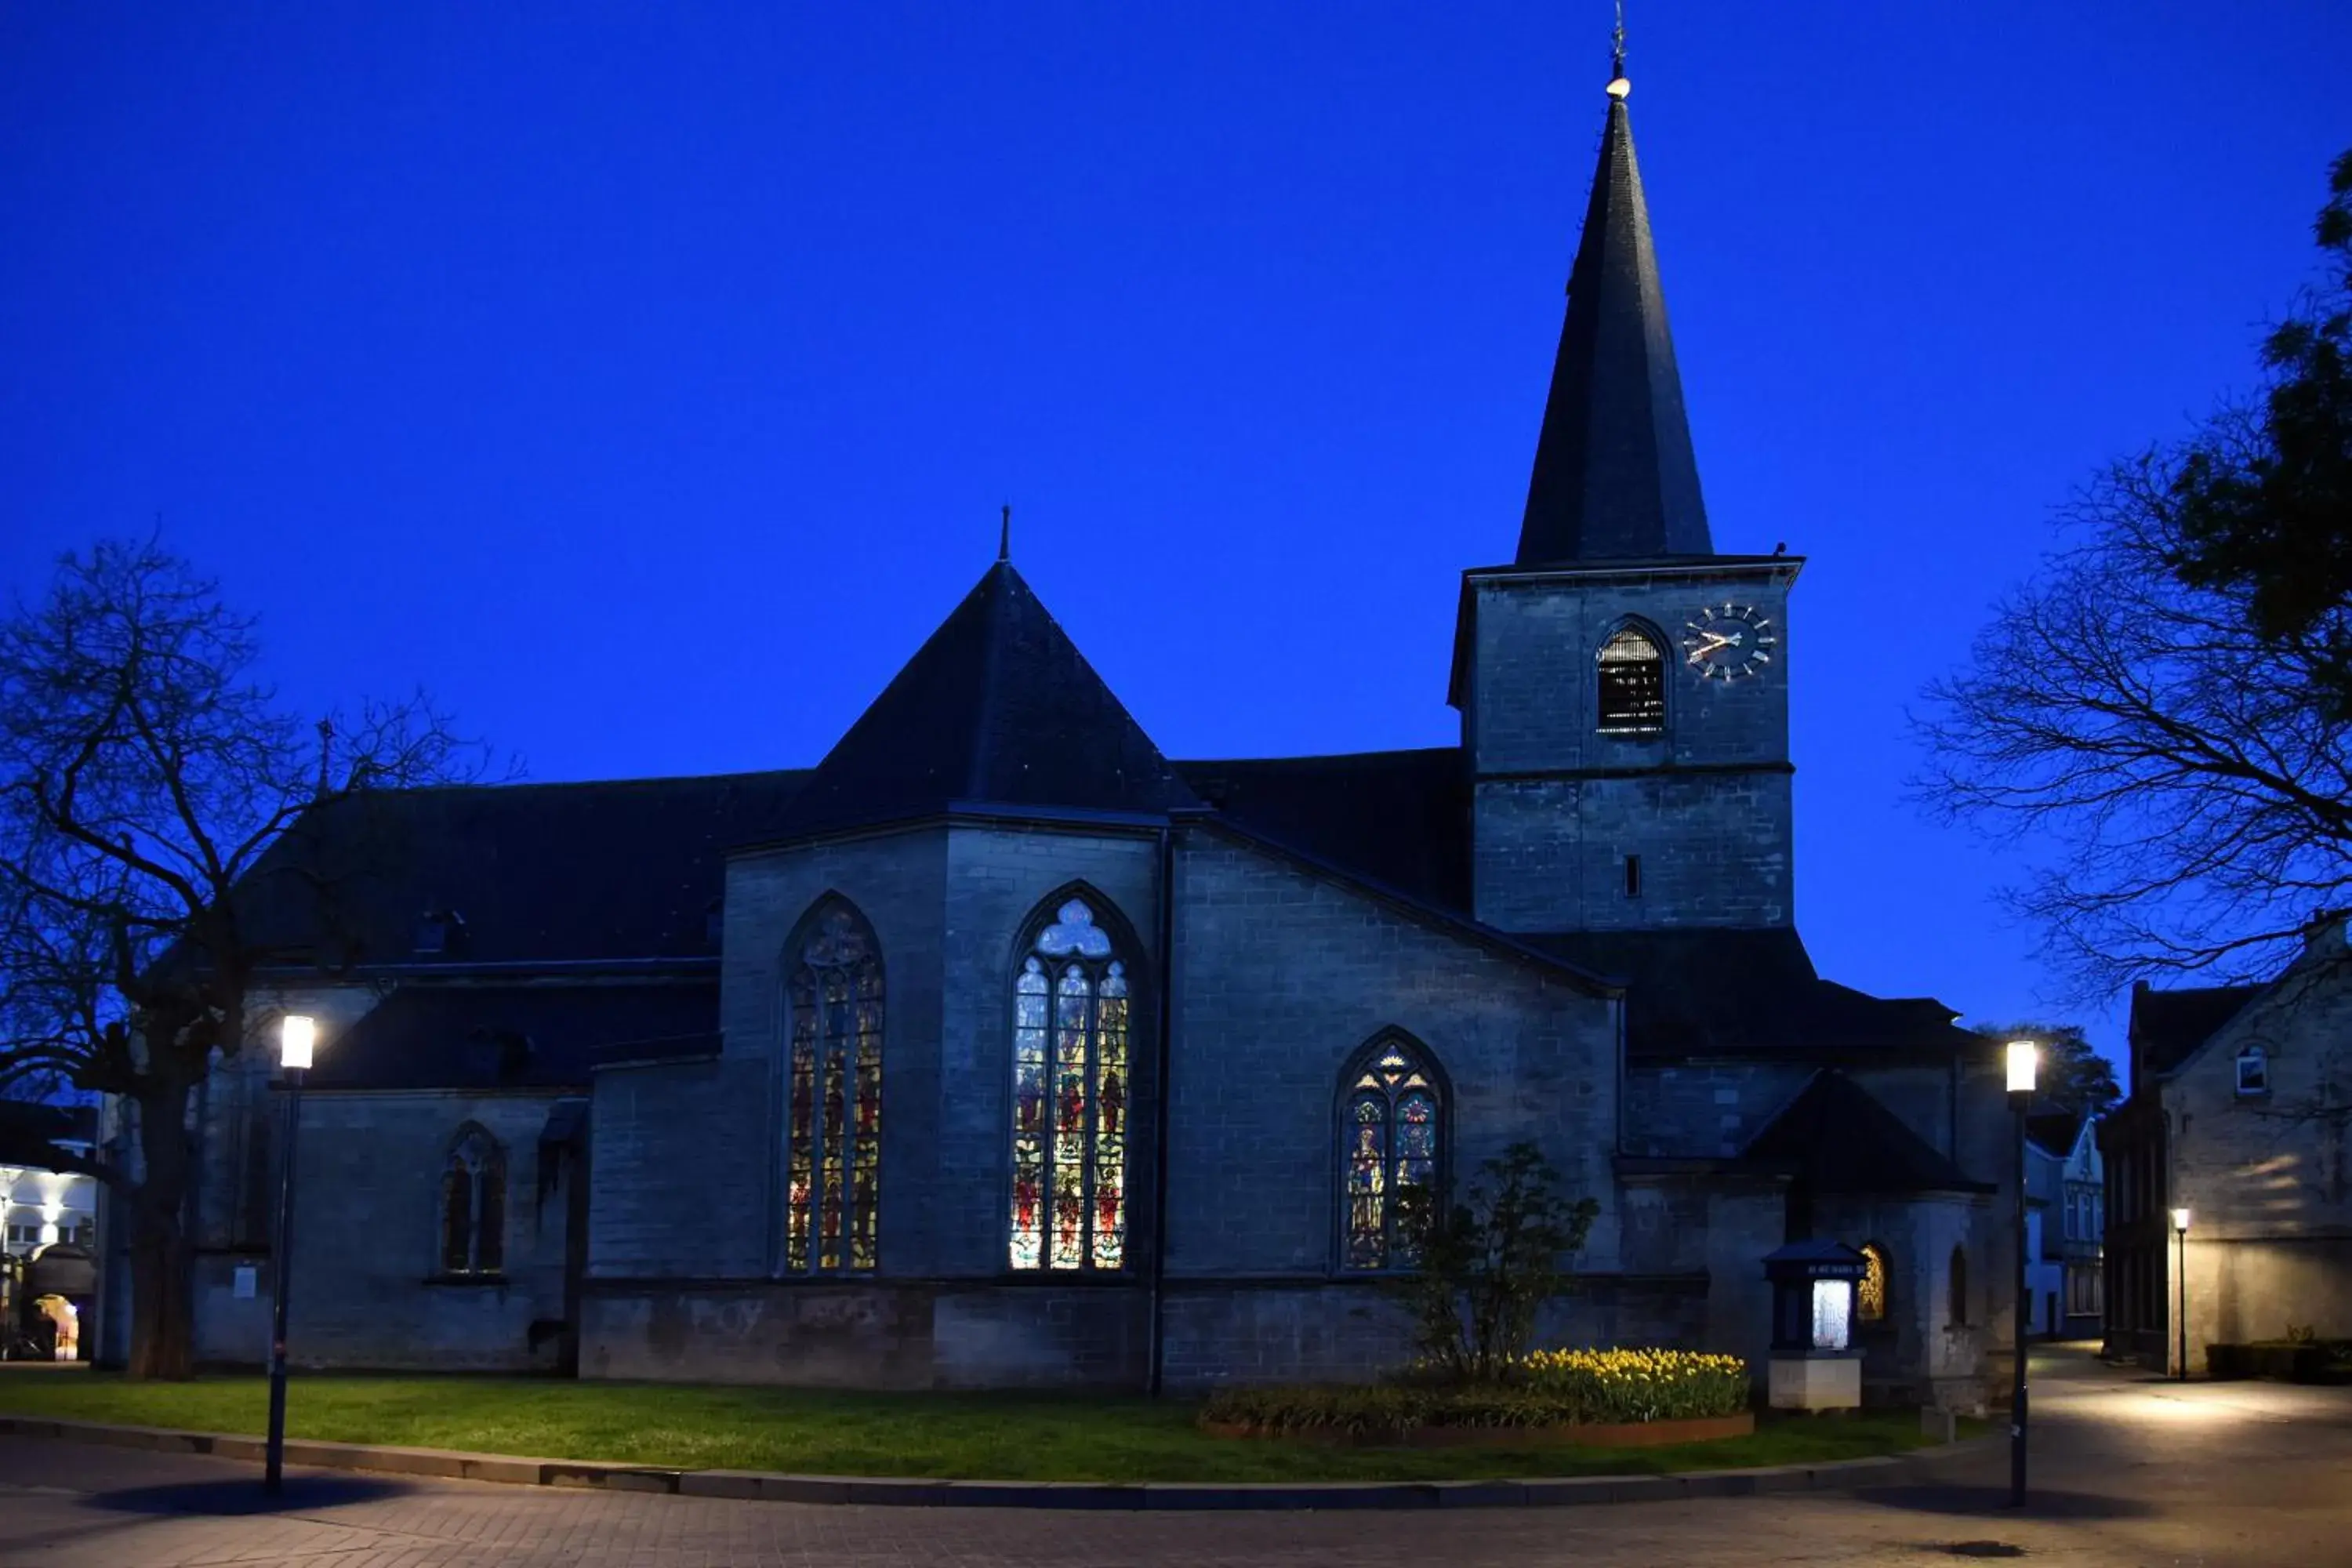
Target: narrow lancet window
(832, 1148)
(1070, 1093)
(473, 1205)
(1390, 1132)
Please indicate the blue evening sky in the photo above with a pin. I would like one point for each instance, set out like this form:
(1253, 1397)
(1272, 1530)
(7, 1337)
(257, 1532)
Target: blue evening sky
(644, 380)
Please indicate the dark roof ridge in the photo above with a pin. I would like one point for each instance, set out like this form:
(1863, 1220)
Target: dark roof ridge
(1383, 753)
(992, 656)
(643, 780)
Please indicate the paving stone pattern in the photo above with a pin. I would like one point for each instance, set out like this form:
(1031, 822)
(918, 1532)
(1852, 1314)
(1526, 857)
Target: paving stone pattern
(2128, 1472)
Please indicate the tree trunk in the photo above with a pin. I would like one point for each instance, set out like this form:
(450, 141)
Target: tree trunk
(163, 1323)
(162, 1314)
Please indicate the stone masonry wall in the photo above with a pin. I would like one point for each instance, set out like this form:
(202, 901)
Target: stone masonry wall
(872, 1335)
(2267, 1177)
(1283, 975)
(366, 1237)
(1559, 806)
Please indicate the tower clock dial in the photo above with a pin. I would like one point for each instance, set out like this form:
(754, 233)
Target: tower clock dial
(1728, 641)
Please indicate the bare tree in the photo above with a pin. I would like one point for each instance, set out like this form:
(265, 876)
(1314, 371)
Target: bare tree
(2185, 777)
(149, 780)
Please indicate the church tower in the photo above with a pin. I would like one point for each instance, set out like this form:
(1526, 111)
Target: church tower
(1622, 687)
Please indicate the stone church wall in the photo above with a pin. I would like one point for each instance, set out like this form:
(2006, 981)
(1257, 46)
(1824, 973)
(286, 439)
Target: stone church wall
(1283, 977)
(1560, 805)
(949, 908)
(1550, 853)
(366, 1237)
(1705, 1109)
(1534, 702)
(900, 1335)
(681, 1171)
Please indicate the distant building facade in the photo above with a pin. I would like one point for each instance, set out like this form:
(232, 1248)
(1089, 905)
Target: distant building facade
(48, 1232)
(2240, 1107)
(999, 1050)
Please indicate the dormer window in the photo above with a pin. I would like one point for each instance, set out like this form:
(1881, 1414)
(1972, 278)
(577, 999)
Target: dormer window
(1632, 684)
(2253, 1071)
(439, 933)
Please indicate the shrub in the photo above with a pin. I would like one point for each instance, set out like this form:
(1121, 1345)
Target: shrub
(1549, 1388)
(1484, 1267)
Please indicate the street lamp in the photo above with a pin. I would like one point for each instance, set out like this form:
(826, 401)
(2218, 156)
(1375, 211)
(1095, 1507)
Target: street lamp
(297, 1036)
(2180, 1285)
(2023, 1057)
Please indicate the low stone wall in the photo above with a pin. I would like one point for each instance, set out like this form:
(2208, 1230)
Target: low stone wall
(878, 1334)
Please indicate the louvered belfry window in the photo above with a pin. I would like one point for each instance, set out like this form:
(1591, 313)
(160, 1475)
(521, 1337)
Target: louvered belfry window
(1632, 684)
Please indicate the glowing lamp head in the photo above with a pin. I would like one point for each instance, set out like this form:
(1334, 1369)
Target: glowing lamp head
(2023, 1057)
(2181, 1221)
(296, 1037)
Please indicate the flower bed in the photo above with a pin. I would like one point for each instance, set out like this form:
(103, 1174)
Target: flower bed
(1620, 1397)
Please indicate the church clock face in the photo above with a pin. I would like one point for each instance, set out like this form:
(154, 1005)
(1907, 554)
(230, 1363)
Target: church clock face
(1728, 642)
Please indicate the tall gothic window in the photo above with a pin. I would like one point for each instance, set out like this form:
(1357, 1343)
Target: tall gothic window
(1070, 1094)
(1869, 1295)
(1956, 1288)
(474, 1205)
(832, 1109)
(1390, 1137)
(1632, 684)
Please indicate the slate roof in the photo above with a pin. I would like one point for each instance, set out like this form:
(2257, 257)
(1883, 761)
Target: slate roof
(1836, 1137)
(617, 870)
(1708, 992)
(2167, 1026)
(1397, 818)
(1614, 474)
(445, 1036)
(997, 708)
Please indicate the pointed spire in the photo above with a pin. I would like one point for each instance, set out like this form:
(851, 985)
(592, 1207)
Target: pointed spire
(1614, 474)
(1004, 534)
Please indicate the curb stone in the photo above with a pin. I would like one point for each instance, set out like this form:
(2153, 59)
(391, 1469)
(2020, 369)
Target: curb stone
(919, 1491)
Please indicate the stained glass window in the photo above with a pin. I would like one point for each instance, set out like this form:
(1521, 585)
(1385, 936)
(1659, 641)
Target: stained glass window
(1870, 1294)
(473, 1205)
(1390, 1136)
(833, 1094)
(1070, 1093)
(1632, 684)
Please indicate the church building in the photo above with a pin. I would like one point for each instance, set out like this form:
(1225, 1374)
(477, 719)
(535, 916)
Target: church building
(998, 1049)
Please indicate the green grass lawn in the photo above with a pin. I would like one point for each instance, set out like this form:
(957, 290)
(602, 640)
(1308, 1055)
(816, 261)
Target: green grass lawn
(992, 1437)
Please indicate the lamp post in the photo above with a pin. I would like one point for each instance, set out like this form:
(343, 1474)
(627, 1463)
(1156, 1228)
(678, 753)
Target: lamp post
(2181, 1288)
(296, 1037)
(2022, 1059)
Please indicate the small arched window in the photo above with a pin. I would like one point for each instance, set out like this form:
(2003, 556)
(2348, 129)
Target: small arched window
(833, 1107)
(1070, 1092)
(1870, 1294)
(1632, 671)
(474, 1205)
(1390, 1134)
(1956, 1288)
(2253, 1071)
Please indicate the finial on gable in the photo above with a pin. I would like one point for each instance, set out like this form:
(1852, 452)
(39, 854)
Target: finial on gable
(1618, 86)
